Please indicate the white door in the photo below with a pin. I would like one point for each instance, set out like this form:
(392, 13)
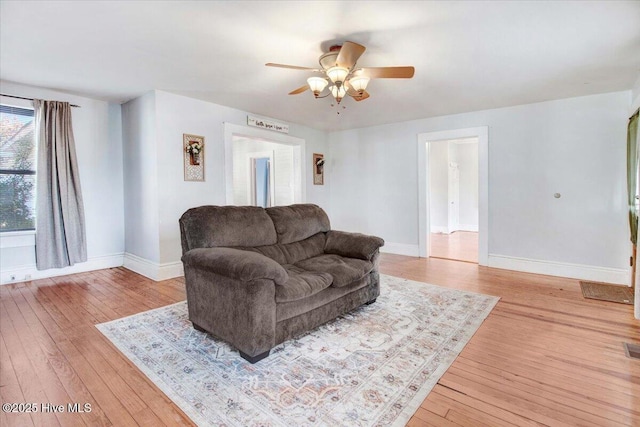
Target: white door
(454, 197)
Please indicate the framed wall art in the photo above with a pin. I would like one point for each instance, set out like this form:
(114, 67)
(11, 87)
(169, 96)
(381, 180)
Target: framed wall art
(318, 169)
(193, 153)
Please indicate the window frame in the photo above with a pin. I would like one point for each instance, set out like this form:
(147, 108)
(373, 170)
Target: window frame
(17, 232)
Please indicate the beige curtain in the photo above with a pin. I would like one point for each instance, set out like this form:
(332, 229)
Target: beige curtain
(60, 226)
(632, 175)
(633, 134)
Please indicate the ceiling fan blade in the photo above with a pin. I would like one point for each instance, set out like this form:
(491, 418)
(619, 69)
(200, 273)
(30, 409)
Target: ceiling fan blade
(349, 54)
(388, 72)
(299, 90)
(292, 67)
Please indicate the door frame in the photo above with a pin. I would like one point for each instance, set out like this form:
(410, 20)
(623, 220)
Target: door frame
(232, 130)
(453, 197)
(424, 140)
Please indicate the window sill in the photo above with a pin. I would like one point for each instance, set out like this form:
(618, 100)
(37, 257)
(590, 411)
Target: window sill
(17, 239)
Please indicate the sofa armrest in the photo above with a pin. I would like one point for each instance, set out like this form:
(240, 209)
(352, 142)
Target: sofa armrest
(236, 264)
(352, 245)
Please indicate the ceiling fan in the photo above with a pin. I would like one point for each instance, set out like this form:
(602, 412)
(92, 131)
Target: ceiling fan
(340, 74)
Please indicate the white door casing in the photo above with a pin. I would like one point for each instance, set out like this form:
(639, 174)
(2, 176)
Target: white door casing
(423, 139)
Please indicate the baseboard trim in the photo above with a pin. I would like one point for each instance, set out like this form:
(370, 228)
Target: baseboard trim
(29, 272)
(152, 270)
(618, 276)
(468, 227)
(400, 249)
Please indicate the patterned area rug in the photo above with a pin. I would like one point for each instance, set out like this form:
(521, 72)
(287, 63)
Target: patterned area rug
(373, 366)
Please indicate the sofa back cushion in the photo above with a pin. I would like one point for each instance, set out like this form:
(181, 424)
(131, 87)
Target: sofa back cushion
(231, 226)
(292, 252)
(298, 222)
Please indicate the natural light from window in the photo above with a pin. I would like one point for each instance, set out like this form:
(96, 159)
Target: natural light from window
(17, 169)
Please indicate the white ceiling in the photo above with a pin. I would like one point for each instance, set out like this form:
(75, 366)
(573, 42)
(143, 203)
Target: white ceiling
(468, 55)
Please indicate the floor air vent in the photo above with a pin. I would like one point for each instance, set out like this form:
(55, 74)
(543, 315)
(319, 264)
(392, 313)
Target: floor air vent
(632, 350)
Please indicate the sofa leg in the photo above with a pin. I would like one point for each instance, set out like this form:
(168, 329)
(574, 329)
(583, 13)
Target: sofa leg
(198, 328)
(254, 359)
(370, 302)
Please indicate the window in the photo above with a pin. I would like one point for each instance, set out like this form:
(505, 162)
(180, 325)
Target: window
(17, 169)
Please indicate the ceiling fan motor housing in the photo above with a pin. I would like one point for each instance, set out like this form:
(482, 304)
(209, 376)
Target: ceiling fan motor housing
(328, 60)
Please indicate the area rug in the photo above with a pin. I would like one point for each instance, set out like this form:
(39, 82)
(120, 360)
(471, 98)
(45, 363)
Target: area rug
(372, 367)
(607, 292)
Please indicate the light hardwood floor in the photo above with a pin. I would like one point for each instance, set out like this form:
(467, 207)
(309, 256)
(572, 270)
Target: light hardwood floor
(544, 356)
(459, 245)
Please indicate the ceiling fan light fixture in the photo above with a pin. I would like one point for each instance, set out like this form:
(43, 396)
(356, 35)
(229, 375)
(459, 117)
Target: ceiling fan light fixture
(338, 93)
(341, 76)
(337, 75)
(359, 84)
(317, 85)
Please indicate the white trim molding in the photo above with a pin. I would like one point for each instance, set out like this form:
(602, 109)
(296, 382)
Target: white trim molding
(17, 239)
(400, 249)
(482, 133)
(231, 130)
(618, 276)
(153, 270)
(29, 272)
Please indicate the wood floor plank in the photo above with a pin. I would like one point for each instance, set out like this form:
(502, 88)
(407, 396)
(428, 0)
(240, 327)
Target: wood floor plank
(568, 394)
(129, 399)
(29, 384)
(540, 410)
(109, 402)
(435, 407)
(548, 397)
(493, 418)
(417, 422)
(49, 335)
(10, 391)
(459, 400)
(164, 409)
(468, 419)
(433, 419)
(53, 388)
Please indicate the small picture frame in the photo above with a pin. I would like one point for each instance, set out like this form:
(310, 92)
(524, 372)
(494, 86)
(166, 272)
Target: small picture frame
(193, 155)
(318, 169)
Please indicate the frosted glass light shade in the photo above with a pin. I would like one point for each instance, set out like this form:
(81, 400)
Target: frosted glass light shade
(359, 84)
(338, 93)
(337, 74)
(317, 84)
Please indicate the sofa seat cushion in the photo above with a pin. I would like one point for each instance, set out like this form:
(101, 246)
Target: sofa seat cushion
(343, 270)
(301, 284)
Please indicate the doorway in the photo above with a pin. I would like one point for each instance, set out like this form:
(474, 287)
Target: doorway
(453, 197)
(283, 184)
(453, 194)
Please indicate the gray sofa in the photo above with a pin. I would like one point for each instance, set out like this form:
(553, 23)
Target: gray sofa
(257, 277)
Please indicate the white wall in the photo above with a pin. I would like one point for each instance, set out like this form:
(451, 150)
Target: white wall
(576, 147)
(174, 116)
(141, 176)
(98, 137)
(635, 96)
